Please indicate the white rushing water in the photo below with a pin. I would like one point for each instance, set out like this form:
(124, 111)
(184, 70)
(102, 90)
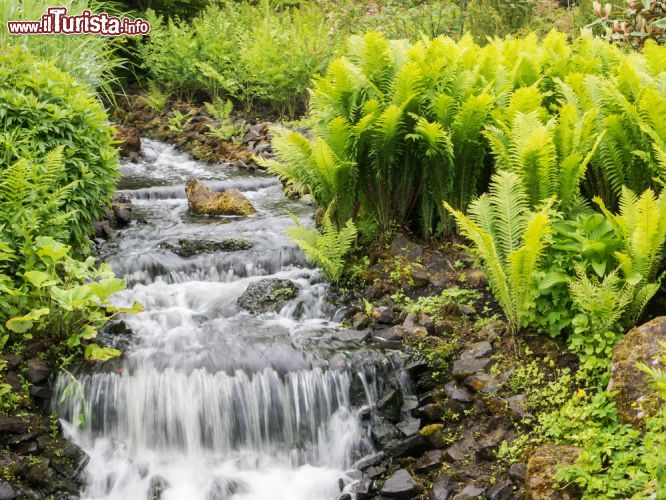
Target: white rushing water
(210, 402)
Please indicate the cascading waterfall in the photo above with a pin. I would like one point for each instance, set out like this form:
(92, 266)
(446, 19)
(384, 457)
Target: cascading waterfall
(210, 402)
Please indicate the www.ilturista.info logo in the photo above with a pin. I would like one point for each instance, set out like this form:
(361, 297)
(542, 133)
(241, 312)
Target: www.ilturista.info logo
(57, 22)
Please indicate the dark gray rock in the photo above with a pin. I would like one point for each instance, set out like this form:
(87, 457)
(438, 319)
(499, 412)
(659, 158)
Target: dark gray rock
(370, 460)
(376, 471)
(400, 485)
(393, 334)
(469, 492)
(518, 406)
(409, 426)
(353, 335)
(401, 246)
(363, 489)
(517, 471)
(500, 491)
(15, 425)
(383, 434)
(41, 392)
(267, 295)
(384, 314)
(441, 487)
(457, 393)
(465, 367)
(479, 350)
(6, 491)
(188, 248)
(67, 459)
(461, 449)
(430, 461)
(38, 371)
(413, 446)
(390, 404)
(409, 403)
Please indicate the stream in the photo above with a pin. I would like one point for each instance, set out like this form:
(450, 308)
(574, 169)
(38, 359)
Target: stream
(210, 402)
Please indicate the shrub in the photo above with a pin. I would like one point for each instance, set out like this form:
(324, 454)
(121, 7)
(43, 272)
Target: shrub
(46, 293)
(42, 108)
(91, 59)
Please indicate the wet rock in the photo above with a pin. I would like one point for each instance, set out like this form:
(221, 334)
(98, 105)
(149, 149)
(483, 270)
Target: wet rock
(431, 460)
(465, 367)
(370, 460)
(441, 487)
(409, 402)
(375, 472)
(469, 492)
(224, 488)
(393, 334)
(482, 382)
(6, 491)
(634, 396)
(518, 406)
(409, 427)
(541, 469)
(128, 139)
(203, 200)
(353, 335)
(390, 404)
(383, 434)
(415, 334)
(67, 459)
(158, 485)
(363, 489)
(517, 471)
(359, 321)
(121, 210)
(456, 393)
(38, 371)
(267, 295)
(14, 425)
(401, 246)
(413, 446)
(103, 230)
(430, 411)
(400, 485)
(38, 473)
(189, 248)
(41, 392)
(481, 349)
(384, 314)
(461, 449)
(500, 491)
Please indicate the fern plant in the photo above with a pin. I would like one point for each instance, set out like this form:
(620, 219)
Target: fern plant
(641, 224)
(509, 239)
(156, 98)
(551, 158)
(326, 248)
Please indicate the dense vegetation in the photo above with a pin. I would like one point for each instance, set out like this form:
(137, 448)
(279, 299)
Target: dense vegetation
(543, 150)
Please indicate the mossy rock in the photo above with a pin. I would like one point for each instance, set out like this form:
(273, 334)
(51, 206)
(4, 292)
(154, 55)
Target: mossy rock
(267, 295)
(189, 248)
(542, 466)
(203, 200)
(634, 397)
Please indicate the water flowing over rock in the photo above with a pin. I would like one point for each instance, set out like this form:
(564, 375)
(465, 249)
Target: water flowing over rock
(203, 200)
(210, 402)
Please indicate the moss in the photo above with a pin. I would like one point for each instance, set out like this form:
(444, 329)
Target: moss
(429, 430)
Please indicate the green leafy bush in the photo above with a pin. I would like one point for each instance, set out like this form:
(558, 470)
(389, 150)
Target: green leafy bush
(46, 293)
(256, 54)
(91, 59)
(42, 108)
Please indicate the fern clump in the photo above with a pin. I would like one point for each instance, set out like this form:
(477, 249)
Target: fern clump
(42, 109)
(510, 240)
(326, 248)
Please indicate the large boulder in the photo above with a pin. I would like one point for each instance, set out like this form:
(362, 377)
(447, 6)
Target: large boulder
(188, 248)
(203, 200)
(542, 466)
(634, 397)
(267, 295)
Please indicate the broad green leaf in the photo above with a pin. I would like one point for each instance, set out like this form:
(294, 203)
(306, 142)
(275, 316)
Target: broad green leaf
(94, 352)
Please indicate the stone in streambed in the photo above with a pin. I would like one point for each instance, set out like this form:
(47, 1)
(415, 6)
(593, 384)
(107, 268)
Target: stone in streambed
(267, 295)
(188, 248)
(203, 200)
(400, 485)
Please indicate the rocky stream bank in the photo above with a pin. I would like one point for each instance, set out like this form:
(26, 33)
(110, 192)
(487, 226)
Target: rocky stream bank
(439, 440)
